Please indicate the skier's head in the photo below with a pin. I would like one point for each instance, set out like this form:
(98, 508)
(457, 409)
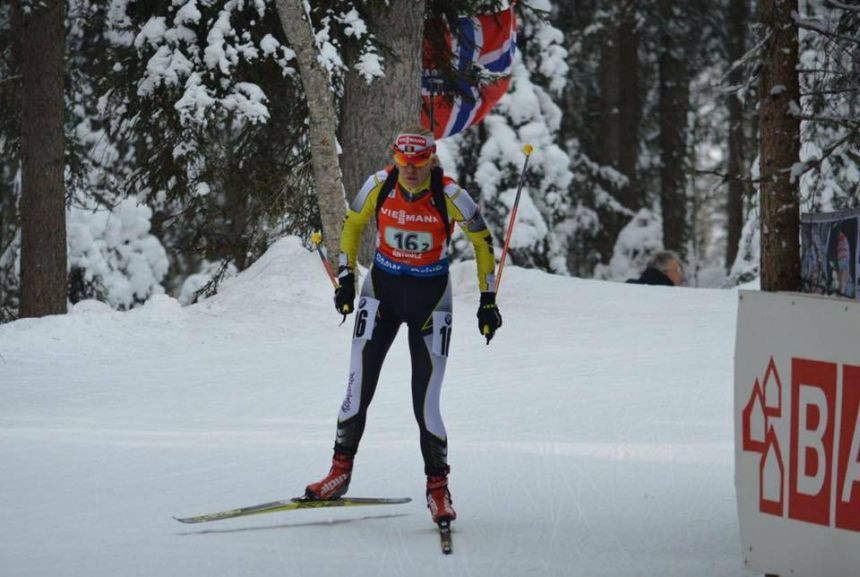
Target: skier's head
(414, 153)
(669, 263)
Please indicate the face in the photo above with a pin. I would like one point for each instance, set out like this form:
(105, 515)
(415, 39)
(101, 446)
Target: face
(414, 168)
(413, 176)
(675, 272)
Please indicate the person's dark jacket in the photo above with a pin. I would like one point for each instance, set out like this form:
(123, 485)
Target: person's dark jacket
(652, 276)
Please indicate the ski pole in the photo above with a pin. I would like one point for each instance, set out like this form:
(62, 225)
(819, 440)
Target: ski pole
(527, 149)
(316, 239)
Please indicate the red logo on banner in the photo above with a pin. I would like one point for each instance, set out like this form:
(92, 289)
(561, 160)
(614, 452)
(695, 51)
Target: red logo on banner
(759, 436)
(823, 434)
(771, 475)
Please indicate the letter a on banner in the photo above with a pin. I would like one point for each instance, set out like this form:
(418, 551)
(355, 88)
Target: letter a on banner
(848, 479)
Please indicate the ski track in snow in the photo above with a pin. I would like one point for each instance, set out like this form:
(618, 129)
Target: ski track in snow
(593, 437)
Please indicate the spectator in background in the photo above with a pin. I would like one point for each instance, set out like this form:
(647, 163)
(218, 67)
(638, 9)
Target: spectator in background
(664, 268)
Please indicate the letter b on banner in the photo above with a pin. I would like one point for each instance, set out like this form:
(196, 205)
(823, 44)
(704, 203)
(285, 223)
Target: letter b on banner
(813, 408)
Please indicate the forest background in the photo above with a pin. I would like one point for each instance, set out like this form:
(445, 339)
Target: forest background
(160, 147)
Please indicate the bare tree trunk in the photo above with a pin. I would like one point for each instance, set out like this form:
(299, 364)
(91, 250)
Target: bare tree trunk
(44, 280)
(674, 106)
(318, 92)
(620, 113)
(780, 149)
(372, 113)
(737, 161)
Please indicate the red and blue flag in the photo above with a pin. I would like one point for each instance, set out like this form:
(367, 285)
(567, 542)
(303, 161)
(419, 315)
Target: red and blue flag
(485, 44)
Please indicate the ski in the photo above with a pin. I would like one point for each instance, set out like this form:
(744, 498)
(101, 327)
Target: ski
(291, 505)
(445, 535)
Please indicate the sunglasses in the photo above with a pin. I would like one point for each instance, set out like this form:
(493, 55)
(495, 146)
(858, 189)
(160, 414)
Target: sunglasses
(419, 160)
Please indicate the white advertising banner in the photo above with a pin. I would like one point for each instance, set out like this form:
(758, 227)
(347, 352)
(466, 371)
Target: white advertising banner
(830, 253)
(797, 434)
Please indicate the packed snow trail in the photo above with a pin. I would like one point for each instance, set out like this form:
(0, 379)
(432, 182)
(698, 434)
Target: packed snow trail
(592, 437)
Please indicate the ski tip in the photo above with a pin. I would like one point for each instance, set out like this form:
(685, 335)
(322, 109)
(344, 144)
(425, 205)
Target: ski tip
(445, 534)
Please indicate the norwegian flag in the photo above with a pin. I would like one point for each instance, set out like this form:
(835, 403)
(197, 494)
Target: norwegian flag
(488, 42)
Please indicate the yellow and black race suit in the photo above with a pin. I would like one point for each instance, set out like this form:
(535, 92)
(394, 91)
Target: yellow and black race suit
(408, 283)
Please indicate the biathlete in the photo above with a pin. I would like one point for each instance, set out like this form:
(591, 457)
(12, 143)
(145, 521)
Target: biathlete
(415, 207)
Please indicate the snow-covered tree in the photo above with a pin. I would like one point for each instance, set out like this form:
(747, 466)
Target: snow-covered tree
(747, 265)
(208, 93)
(830, 131)
(113, 257)
(640, 240)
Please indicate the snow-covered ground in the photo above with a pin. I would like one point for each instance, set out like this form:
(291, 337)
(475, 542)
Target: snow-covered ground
(593, 437)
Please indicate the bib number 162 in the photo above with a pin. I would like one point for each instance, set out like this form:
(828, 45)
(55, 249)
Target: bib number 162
(411, 241)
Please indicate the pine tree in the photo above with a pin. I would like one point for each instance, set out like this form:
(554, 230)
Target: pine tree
(619, 126)
(209, 95)
(737, 165)
(780, 149)
(10, 118)
(43, 196)
(674, 97)
(830, 130)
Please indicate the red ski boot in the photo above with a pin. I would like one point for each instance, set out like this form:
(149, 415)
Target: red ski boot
(439, 499)
(335, 484)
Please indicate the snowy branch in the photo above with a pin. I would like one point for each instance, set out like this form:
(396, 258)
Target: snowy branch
(15, 78)
(12, 238)
(816, 27)
(752, 53)
(838, 120)
(843, 6)
(535, 9)
(796, 171)
(802, 168)
(826, 92)
(724, 176)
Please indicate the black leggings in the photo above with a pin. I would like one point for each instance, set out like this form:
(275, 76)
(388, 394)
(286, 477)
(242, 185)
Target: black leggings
(387, 301)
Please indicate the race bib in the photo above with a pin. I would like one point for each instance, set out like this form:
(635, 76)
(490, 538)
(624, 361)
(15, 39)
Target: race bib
(365, 318)
(410, 240)
(441, 333)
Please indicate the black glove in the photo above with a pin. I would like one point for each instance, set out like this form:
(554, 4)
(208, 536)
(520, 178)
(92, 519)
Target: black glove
(489, 317)
(344, 294)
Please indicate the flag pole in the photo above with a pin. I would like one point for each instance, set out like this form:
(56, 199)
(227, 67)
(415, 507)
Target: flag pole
(434, 83)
